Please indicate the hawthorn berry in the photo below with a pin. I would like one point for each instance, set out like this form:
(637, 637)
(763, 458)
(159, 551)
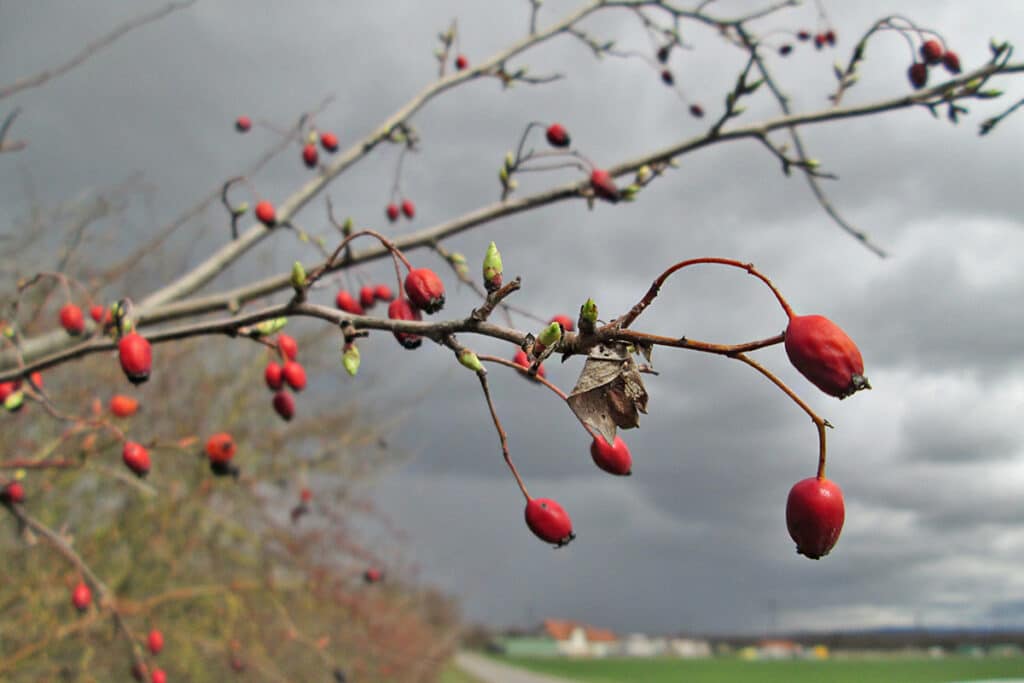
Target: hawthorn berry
(305, 495)
(613, 458)
(951, 61)
(243, 124)
(557, 135)
(367, 297)
(825, 355)
(663, 53)
(266, 214)
(565, 321)
(136, 457)
(284, 404)
(549, 521)
(401, 309)
(830, 37)
(667, 78)
(309, 155)
(523, 361)
(603, 185)
(918, 75)
(13, 492)
(372, 575)
(803, 35)
(155, 641)
(123, 406)
(158, 676)
(96, 313)
(220, 447)
(72, 320)
(37, 379)
(785, 49)
(136, 357)
(392, 212)
(931, 51)
(814, 516)
(8, 388)
(329, 141)
(294, 375)
(408, 208)
(272, 376)
(819, 40)
(383, 293)
(696, 111)
(461, 62)
(425, 290)
(346, 302)
(81, 596)
(288, 347)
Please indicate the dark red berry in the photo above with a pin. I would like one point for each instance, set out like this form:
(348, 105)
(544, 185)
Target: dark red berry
(549, 521)
(81, 596)
(136, 357)
(425, 290)
(825, 355)
(696, 111)
(931, 51)
(523, 361)
(814, 516)
(803, 35)
(392, 211)
(243, 124)
(155, 641)
(72, 319)
(266, 214)
(951, 61)
(663, 53)
(461, 63)
(329, 141)
(401, 309)
(383, 293)
(918, 74)
(272, 375)
(612, 458)
(367, 298)
(14, 492)
(819, 40)
(136, 457)
(557, 135)
(830, 37)
(346, 302)
(294, 375)
(667, 78)
(220, 448)
(785, 49)
(284, 404)
(408, 208)
(310, 155)
(372, 575)
(603, 185)
(288, 347)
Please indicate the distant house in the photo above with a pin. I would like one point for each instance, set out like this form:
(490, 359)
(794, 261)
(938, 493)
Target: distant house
(689, 647)
(779, 649)
(574, 639)
(640, 645)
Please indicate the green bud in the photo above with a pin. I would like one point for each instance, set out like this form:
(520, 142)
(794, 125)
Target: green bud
(470, 360)
(9, 331)
(588, 311)
(346, 227)
(509, 159)
(14, 401)
(298, 276)
(550, 335)
(240, 209)
(512, 184)
(813, 163)
(503, 175)
(272, 326)
(643, 174)
(350, 359)
(492, 268)
(459, 262)
(628, 193)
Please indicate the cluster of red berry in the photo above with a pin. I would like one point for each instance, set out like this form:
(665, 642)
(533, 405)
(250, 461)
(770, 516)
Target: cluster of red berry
(932, 53)
(408, 210)
(289, 372)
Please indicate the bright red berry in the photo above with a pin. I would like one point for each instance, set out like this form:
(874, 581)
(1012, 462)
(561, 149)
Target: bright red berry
(819, 40)
(37, 379)
(918, 75)
(612, 458)
(951, 61)
(931, 51)
(372, 575)
(549, 521)
(96, 313)
(392, 211)
(220, 448)
(461, 63)
(367, 297)
(272, 376)
(603, 185)
(14, 492)
(158, 676)
(294, 375)
(288, 347)
(155, 641)
(557, 135)
(81, 596)
(72, 320)
(8, 388)
(814, 516)
(523, 361)
(136, 457)
(310, 155)
(401, 309)
(243, 124)
(696, 111)
(565, 321)
(825, 355)
(383, 293)
(329, 141)
(266, 214)
(425, 290)
(305, 495)
(136, 357)
(123, 406)
(346, 302)
(284, 404)
(408, 208)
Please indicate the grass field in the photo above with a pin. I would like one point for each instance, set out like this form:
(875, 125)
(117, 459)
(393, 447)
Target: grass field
(796, 671)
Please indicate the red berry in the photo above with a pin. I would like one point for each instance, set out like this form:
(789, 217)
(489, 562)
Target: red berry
(136, 357)
(346, 302)
(523, 361)
(425, 290)
(408, 208)
(243, 124)
(305, 495)
(288, 347)
(81, 596)
(72, 320)
(220, 448)
(96, 313)
(37, 379)
(461, 63)
(155, 641)
(309, 155)
(392, 212)
(696, 111)
(383, 292)
(785, 49)
(918, 74)
(401, 309)
(603, 185)
(825, 355)
(367, 297)
(563, 320)
(951, 61)
(123, 406)
(158, 676)
(667, 78)
(557, 135)
(136, 457)
(819, 40)
(266, 214)
(284, 404)
(830, 37)
(8, 388)
(931, 51)
(272, 376)
(14, 492)
(294, 375)
(612, 458)
(803, 35)
(814, 516)
(329, 141)
(549, 521)
(372, 575)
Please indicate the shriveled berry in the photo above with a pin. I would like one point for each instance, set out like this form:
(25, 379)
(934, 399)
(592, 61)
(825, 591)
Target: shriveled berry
(123, 406)
(825, 355)
(549, 521)
(155, 641)
(523, 361)
(272, 376)
(383, 293)
(136, 457)
(918, 75)
(425, 290)
(392, 212)
(557, 135)
(931, 51)
(401, 309)
(814, 516)
(72, 319)
(288, 347)
(220, 447)
(367, 297)
(329, 141)
(603, 185)
(408, 208)
(346, 302)
(294, 375)
(951, 61)
(284, 404)
(612, 458)
(266, 213)
(243, 124)
(13, 492)
(136, 357)
(81, 596)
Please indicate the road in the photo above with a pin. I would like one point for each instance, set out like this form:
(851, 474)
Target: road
(490, 671)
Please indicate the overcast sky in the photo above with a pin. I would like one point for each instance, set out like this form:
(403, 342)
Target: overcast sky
(930, 461)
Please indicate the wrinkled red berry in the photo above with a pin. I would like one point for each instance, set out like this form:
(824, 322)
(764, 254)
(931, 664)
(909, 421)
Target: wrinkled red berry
(383, 293)
(346, 302)
(931, 51)
(14, 492)
(612, 458)
(243, 124)
(288, 347)
(408, 208)
(401, 309)
(81, 596)
(814, 516)
(294, 375)
(272, 376)
(603, 185)
(266, 214)
(220, 447)
(549, 521)
(329, 141)
(136, 357)
(523, 361)
(155, 641)
(123, 406)
(557, 135)
(367, 299)
(951, 61)
(284, 404)
(392, 212)
(72, 319)
(136, 457)
(425, 290)
(825, 355)
(918, 75)
(461, 63)
(310, 155)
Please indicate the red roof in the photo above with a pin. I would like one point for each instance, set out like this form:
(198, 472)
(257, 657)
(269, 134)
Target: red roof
(561, 629)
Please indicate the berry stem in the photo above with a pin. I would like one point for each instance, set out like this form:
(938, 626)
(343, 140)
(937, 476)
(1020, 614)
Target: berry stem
(501, 435)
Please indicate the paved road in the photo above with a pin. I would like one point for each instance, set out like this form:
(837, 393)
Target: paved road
(490, 671)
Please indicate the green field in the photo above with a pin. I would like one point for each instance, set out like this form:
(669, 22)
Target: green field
(796, 671)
